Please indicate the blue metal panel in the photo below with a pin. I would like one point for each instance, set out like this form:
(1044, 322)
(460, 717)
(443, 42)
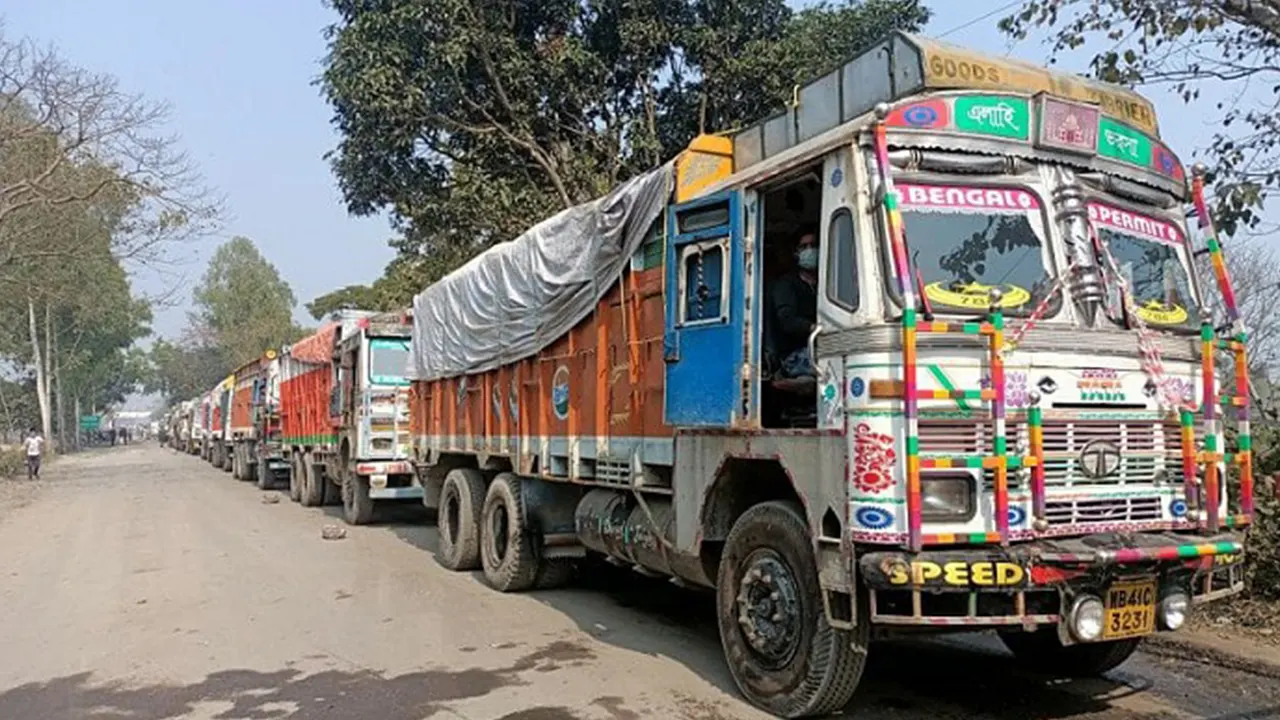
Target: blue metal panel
(702, 345)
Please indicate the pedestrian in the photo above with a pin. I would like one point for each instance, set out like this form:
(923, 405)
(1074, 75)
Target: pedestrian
(34, 445)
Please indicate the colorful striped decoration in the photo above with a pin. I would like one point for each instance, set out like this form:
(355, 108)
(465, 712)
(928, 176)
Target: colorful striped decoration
(1035, 432)
(901, 266)
(998, 416)
(1187, 422)
(1235, 345)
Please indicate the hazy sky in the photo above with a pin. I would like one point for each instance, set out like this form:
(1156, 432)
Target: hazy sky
(239, 75)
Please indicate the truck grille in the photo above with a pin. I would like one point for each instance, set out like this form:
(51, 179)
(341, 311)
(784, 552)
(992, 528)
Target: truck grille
(1147, 448)
(1106, 510)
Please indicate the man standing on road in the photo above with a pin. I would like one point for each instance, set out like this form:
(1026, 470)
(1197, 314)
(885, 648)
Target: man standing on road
(34, 445)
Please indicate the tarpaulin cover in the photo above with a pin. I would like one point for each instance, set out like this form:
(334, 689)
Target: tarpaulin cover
(516, 298)
(316, 348)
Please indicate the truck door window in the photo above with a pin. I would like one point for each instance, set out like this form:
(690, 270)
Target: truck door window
(703, 277)
(842, 258)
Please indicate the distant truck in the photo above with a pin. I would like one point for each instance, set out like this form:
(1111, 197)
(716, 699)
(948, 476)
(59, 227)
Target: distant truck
(256, 453)
(198, 421)
(219, 436)
(345, 410)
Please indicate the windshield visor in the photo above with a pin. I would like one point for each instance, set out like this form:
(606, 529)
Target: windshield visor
(388, 360)
(1151, 256)
(966, 240)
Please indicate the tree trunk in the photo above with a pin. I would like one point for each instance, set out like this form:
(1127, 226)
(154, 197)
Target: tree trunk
(42, 386)
(79, 433)
(60, 407)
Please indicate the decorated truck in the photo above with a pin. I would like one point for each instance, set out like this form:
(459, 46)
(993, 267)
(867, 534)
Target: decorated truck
(200, 414)
(219, 434)
(345, 412)
(926, 351)
(255, 422)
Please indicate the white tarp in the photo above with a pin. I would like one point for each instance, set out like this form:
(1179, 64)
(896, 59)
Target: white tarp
(518, 297)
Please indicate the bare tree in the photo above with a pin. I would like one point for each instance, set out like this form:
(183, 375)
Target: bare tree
(70, 136)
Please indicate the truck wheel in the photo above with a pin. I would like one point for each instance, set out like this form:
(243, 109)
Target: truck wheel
(357, 506)
(506, 552)
(554, 573)
(266, 477)
(1043, 651)
(782, 654)
(295, 477)
(461, 500)
(312, 490)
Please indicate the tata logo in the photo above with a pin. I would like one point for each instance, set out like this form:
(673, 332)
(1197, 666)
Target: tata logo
(1099, 459)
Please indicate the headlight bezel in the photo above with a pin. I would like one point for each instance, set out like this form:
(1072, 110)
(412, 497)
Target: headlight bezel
(959, 480)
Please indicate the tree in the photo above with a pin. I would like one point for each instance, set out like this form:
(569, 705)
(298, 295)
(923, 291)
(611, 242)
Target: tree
(69, 136)
(470, 122)
(1189, 45)
(182, 370)
(243, 306)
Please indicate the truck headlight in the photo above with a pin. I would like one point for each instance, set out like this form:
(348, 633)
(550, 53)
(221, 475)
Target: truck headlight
(946, 497)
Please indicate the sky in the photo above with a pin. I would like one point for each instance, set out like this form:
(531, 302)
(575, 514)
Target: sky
(239, 77)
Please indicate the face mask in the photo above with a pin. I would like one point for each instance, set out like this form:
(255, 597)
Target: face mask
(807, 258)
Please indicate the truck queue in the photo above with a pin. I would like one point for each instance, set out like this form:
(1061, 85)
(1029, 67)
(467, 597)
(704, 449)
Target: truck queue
(925, 351)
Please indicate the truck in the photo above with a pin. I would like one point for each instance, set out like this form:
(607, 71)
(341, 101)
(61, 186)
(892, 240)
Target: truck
(1000, 410)
(255, 422)
(345, 411)
(218, 438)
(199, 417)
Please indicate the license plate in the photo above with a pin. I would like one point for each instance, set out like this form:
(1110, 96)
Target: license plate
(1131, 610)
(378, 481)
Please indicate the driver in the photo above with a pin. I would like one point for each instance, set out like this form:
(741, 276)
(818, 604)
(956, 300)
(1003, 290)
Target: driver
(795, 309)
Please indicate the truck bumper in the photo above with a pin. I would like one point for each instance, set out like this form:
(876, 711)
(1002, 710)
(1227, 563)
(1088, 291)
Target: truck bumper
(1039, 582)
(379, 473)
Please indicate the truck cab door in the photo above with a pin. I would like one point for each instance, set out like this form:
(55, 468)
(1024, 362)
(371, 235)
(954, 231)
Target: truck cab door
(703, 338)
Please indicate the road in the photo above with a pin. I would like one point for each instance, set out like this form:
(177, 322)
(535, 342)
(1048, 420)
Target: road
(136, 583)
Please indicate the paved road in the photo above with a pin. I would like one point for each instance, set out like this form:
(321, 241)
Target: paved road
(138, 584)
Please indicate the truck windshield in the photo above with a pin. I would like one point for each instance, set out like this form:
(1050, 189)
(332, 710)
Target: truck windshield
(388, 359)
(1151, 255)
(966, 240)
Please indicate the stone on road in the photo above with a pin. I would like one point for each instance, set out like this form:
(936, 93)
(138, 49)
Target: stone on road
(138, 583)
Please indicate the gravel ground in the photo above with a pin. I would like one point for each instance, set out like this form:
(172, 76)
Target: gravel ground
(140, 584)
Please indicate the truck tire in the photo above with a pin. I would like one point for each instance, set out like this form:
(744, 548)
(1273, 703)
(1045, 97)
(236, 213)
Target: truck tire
(784, 656)
(265, 476)
(295, 477)
(1043, 651)
(461, 501)
(357, 506)
(249, 465)
(312, 477)
(506, 550)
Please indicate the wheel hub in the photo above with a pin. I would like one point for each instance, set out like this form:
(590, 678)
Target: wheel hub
(768, 603)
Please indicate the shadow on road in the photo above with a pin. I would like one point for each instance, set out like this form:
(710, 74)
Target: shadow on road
(291, 693)
(961, 677)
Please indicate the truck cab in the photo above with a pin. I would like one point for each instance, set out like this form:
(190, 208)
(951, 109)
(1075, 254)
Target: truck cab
(370, 406)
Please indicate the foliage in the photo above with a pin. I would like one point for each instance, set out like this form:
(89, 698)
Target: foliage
(243, 306)
(469, 122)
(183, 370)
(1232, 46)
